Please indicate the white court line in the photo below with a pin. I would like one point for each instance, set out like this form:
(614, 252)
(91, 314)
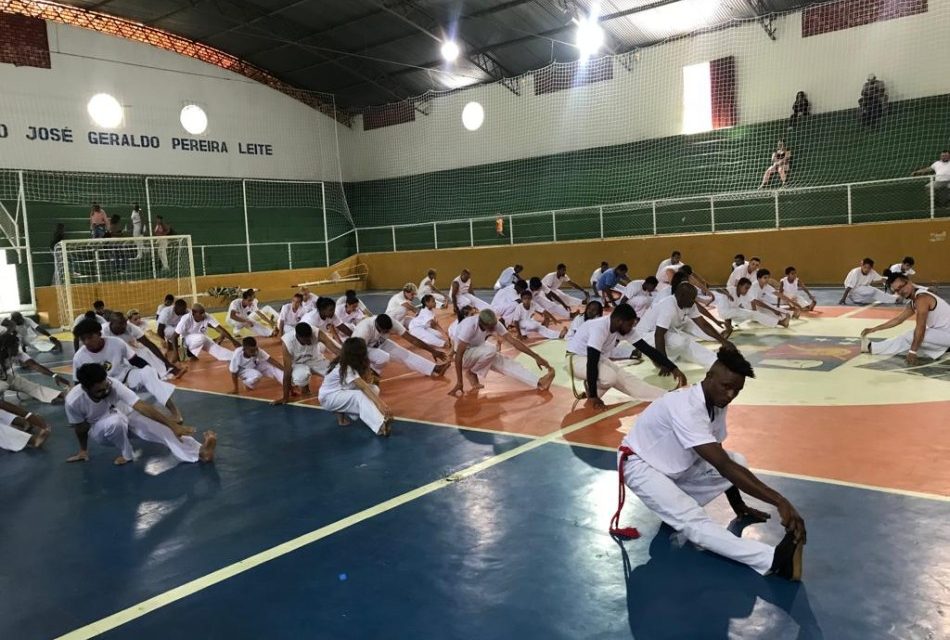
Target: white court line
(189, 588)
(858, 310)
(855, 485)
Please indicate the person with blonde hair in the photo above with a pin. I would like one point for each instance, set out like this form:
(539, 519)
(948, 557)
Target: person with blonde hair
(400, 307)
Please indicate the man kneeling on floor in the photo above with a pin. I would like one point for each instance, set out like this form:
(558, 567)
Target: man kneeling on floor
(674, 461)
(110, 412)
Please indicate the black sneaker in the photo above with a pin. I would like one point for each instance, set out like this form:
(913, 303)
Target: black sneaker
(787, 562)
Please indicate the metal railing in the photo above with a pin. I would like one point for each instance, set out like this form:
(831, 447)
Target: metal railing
(846, 203)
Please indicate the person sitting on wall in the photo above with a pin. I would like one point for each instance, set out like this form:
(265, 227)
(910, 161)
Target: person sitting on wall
(941, 172)
(800, 108)
(780, 163)
(873, 101)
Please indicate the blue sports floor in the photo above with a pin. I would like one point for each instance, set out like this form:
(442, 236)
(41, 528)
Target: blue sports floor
(305, 529)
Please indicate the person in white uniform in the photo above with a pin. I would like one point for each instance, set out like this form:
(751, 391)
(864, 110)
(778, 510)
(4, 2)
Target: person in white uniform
(765, 299)
(304, 355)
(520, 319)
(119, 327)
(930, 336)
(739, 307)
(400, 308)
(463, 313)
(674, 461)
(424, 325)
(589, 360)
(475, 357)
(137, 230)
(639, 294)
(666, 269)
(427, 287)
(664, 328)
(309, 298)
(348, 315)
(134, 317)
(168, 319)
(552, 288)
(509, 276)
(793, 292)
(940, 169)
(508, 297)
(461, 292)
(27, 331)
(290, 315)
(193, 330)
(103, 408)
(375, 332)
(861, 286)
(11, 357)
(244, 313)
(20, 428)
(348, 296)
(347, 389)
(904, 267)
(746, 270)
(553, 308)
(121, 363)
(167, 301)
(322, 318)
(250, 365)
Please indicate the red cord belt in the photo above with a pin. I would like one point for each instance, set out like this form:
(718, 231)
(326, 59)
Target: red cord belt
(615, 528)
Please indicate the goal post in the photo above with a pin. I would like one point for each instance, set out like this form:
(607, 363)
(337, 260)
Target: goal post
(125, 273)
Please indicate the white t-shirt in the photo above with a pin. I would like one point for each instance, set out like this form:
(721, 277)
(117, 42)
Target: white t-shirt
(507, 277)
(240, 362)
(334, 381)
(425, 287)
(363, 307)
(594, 277)
(635, 288)
(114, 356)
(395, 304)
(82, 317)
(473, 335)
(344, 317)
(169, 318)
(504, 298)
(26, 330)
(310, 301)
(301, 353)
(81, 408)
(463, 286)
(897, 266)
(289, 317)
(939, 316)
(941, 171)
(188, 325)
(664, 272)
(575, 325)
(764, 294)
(737, 274)
(423, 319)
(242, 312)
(161, 307)
(136, 217)
(552, 282)
(667, 314)
(666, 432)
(367, 330)
(517, 313)
(313, 318)
(596, 333)
(789, 288)
(131, 336)
(857, 279)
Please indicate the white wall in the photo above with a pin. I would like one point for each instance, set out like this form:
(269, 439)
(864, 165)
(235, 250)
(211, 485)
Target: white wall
(646, 102)
(153, 85)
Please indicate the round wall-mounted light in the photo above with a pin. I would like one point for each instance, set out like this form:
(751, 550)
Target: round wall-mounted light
(473, 115)
(105, 111)
(450, 50)
(194, 119)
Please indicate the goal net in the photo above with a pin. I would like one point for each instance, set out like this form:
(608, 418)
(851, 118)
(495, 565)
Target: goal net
(125, 273)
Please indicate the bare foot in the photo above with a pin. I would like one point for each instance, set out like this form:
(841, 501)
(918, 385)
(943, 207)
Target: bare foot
(545, 382)
(386, 429)
(563, 333)
(342, 420)
(120, 461)
(179, 371)
(440, 369)
(39, 438)
(473, 383)
(182, 431)
(82, 456)
(206, 453)
(784, 322)
(797, 314)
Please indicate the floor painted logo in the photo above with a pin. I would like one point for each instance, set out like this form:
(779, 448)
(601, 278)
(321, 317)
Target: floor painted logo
(807, 352)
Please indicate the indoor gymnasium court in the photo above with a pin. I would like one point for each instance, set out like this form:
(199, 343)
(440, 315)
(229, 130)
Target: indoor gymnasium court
(421, 318)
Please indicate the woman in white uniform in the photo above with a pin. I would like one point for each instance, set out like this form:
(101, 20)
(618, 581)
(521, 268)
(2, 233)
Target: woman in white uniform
(425, 327)
(348, 392)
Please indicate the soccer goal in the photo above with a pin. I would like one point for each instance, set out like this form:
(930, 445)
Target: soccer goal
(125, 273)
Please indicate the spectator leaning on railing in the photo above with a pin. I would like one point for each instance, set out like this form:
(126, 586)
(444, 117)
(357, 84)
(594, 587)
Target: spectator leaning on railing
(941, 172)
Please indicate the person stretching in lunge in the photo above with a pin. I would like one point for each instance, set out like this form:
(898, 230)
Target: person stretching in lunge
(348, 391)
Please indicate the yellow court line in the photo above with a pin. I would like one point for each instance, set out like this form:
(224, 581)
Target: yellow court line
(189, 588)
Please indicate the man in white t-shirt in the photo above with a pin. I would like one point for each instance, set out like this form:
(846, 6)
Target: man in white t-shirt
(11, 358)
(27, 331)
(904, 267)
(121, 363)
(348, 314)
(666, 269)
(664, 328)
(552, 288)
(245, 313)
(640, 294)
(193, 329)
(290, 314)
(250, 364)
(400, 308)
(427, 287)
(119, 327)
(861, 286)
(508, 297)
(765, 299)
(376, 332)
(136, 217)
(461, 293)
(588, 358)
(941, 173)
(520, 319)
(104, 408)
(474, 356)
(304, 354)
(555, 308)
(309, 298)
(740, 307)
(168, 319)
(746, 270)
(673, 460)
(931, 334)
(321, 318)
(509, 276)
(793, 292)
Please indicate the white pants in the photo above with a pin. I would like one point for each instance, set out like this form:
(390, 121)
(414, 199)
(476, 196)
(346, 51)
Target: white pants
(533, 326)
(198, 341)
(400, 315)
(430, 336)
(11, 438)
(935, 344)
(552, 307)
(679, 503)
(729, 310)
(389, 350)
(467, 299)
(162, 247)
(799, 298)
(257, 328)
(250, 377)
(641, 304)
(146, 379)
(480, 359)
(356, 405)
(115, 429)
(682, 346)
(612, 376)
(867, 294)
(300, 372)
(22, 385)
(566, 298)
(153, 361)
(169, 336)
